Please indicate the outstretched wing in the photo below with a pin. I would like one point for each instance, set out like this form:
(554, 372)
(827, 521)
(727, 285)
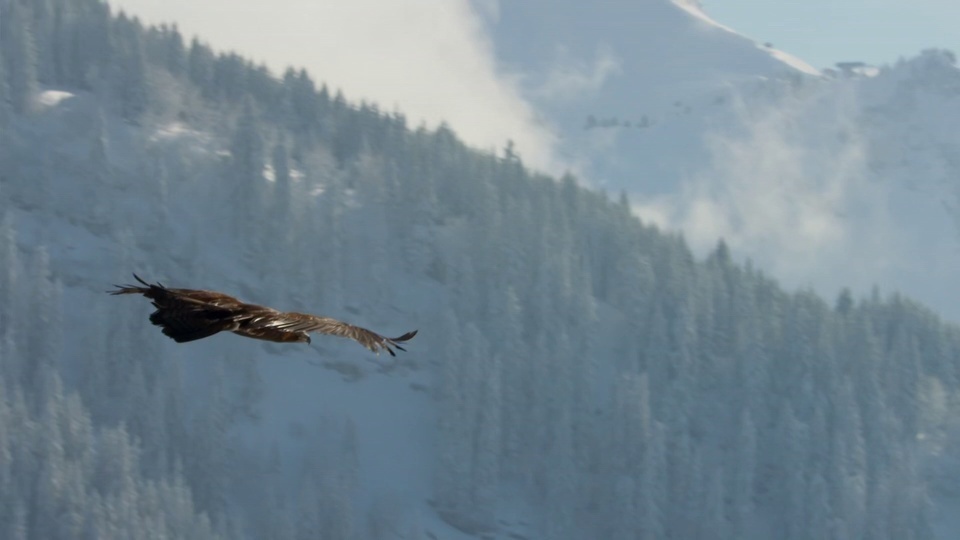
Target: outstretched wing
(188, 314)
(163, 296)
(286, 325)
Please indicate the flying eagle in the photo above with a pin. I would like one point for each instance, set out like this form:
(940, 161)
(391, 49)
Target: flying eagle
(190, 314)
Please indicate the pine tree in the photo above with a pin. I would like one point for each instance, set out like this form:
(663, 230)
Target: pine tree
(87, 48)
(744, 465)
(200, 67)
(515, 376)
(488, 435)
(309, 524)
(625, 518)
(175, 53)
(282, 193)
(244, 176)
(43, 335)
(16, 527)
(348, 469)
(714, 523)
(207, 460)
(819, 513)
(19, 52)
(561, 489)
(337, 513)
(10, 275)
(6, 107)
(100, 174)
(450, 478)
(372, 263)
(652, 491)
(331, 245)
(130, 80)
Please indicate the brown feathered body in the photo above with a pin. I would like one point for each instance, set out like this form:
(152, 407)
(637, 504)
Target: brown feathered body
(190, 314)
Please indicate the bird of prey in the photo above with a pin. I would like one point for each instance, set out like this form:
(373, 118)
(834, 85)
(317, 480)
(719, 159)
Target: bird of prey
(191, 314)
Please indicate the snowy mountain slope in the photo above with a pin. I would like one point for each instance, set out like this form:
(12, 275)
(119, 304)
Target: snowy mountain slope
(642, 63)
(308, 395)
(97, 229)
(311, 416)
(578, 374)
(304, 390)
(660, 51)
(836, 182)
(831, 180)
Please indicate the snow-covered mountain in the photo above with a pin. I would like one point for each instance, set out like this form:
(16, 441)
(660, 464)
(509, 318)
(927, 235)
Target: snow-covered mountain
(629, 84)
(845, 177)
(847, 181)
(579, 374)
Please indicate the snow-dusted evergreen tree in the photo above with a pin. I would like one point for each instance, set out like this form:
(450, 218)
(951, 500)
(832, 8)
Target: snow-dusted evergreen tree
(282, 192)
(206, 462)
(200, 66)
(561, 479)
(43, 21)
(100, 173)
(369, 265)
(515, 375)
(651, 493)
(19, 53)
(82, 42)
(173, 51)
(743, 471)
(60, 477)
(451, 472)
(244, 183)
(130, 80)
(325, 254)
(715, 523)
(486, 474)
(10, 275)
(6, 105)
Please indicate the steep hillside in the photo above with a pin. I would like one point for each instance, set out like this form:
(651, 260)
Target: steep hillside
(579, 374)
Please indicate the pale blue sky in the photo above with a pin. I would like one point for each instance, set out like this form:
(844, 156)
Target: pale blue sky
(823, 32)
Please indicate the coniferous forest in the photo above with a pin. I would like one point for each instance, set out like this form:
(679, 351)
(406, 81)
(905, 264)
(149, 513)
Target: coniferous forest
(577, 358)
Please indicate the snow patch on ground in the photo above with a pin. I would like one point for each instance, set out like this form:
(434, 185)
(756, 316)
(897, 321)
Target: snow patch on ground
(175, 130)
(52, 98)
(792, 61)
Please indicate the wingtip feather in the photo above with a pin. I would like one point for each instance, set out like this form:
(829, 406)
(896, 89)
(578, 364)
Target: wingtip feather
(406, 337)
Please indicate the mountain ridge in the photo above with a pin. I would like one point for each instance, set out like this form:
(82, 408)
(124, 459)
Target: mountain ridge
(572, 356)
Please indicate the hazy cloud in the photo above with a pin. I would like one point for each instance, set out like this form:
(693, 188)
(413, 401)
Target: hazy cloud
(792, 192)
(430, 59)
(488, 8)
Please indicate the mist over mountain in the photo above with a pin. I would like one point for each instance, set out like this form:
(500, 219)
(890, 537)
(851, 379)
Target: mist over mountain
(580, 372)
(629, 66)
(844, 177)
